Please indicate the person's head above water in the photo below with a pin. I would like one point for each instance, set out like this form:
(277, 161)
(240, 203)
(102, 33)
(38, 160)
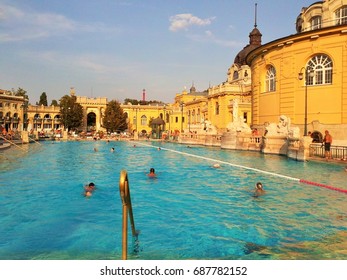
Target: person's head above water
(259, 186)
(152, 170)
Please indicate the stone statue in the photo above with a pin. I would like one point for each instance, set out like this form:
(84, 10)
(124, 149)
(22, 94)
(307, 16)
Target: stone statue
(283, 128)
(210, 128)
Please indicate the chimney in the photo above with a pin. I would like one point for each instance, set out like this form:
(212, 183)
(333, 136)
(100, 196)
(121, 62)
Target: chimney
(143, 95)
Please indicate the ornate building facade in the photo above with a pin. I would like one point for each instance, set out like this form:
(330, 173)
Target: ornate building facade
(12, 111)
(303, 76)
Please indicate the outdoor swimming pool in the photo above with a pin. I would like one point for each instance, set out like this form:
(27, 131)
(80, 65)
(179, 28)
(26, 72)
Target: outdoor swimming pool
(191, 211)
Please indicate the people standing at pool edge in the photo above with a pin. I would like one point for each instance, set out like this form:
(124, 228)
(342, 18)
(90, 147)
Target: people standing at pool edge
(152, 173)
(327, 140)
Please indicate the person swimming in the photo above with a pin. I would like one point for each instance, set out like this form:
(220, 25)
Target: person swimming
(89, 189)
(259, 190)
(152, 173)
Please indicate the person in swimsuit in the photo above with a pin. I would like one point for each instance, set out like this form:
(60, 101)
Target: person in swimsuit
(152, 173)
(89, 189)
(327, 140)
(259, 190)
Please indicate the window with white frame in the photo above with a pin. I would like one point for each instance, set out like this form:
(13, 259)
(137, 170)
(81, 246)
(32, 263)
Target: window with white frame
(341, 15)
(143, 120)
(322, 66)
(270, 80)
(316, 22)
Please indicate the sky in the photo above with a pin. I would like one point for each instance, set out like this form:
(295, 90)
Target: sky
(117, 48)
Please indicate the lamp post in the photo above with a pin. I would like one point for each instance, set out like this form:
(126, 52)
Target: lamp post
(309, 73)
(189, 121)
(165, 120)
(181, 105)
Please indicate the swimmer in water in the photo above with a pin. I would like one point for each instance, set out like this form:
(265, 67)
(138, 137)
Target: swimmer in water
(89, 189)
(152, 173)
(259, 190)
(216, 165)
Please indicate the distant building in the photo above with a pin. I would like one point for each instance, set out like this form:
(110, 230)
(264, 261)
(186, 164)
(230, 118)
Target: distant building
(12, 111)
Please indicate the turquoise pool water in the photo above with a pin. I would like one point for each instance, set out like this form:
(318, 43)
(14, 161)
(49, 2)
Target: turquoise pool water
(191, 211)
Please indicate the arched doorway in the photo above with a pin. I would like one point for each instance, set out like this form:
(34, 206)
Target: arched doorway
(91, 121)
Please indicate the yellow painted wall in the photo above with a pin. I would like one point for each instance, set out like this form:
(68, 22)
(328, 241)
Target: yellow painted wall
(326, 103)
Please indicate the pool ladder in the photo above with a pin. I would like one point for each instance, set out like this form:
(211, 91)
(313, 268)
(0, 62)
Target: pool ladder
(127, 209)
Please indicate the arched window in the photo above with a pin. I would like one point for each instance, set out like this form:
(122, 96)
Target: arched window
(235, 75)
(143, 120)
(323, 70)
(270, 80)
(341, 15)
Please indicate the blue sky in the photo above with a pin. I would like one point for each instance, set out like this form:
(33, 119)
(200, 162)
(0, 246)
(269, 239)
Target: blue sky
(116, 48)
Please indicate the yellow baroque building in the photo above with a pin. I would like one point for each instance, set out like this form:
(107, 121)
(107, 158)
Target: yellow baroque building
(304, 76)
(12, 115)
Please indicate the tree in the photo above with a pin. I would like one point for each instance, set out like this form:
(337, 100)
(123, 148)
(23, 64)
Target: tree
(43, 99)
(114, 119)
(71, 112)
(20, 92)
(131, 101)
(54, 103)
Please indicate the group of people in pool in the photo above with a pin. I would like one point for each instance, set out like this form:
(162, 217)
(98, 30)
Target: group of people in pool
(90, 188)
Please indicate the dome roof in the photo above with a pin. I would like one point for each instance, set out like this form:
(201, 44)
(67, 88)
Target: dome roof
(254, 42)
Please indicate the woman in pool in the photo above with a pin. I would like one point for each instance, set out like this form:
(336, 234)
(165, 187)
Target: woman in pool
(259, 189)
(152, 173)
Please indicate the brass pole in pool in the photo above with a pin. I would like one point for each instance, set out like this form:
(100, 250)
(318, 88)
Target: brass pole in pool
(126, 201)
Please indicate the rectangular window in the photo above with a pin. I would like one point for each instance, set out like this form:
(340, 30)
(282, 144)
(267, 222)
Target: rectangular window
(176, 119)
(328, 76)
(134, 121)
(319, 77)
(316, 23)
(47, 126)
(341, 16)
(217, 108)
(143, 121)
(245, 117)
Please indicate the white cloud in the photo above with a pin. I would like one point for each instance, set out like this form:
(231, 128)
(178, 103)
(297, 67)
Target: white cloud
(184, 21)
(18, 25)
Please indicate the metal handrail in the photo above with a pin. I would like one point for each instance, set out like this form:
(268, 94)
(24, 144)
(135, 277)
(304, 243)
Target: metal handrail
(337, 152)
(127, 208)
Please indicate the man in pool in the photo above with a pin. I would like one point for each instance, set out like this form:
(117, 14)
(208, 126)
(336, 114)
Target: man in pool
(258, 189)
(88, 189)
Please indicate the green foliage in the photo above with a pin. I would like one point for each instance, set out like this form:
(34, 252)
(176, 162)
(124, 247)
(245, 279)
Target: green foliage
(43, 99)
(131, 101)
(20, 92)
(141, 102)
(54, 103)
(114, 118)
(71, 113)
